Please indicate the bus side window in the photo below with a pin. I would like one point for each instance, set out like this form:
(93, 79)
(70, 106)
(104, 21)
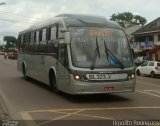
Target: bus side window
(52, 44)
(60, 33)
(40, 35)
(43, 42)
(53, 32)
(31, 43)
(62, 47)
(34, 36)
(62, 54)
(44, 35)
(19, 43)
(48, 34)
(36, 44)
(25, 43)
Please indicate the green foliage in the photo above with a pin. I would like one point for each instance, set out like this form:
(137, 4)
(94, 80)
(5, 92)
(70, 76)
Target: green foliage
(127, 19)
(11, 41)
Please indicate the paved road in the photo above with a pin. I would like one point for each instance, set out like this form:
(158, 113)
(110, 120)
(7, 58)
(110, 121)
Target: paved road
(31, 100)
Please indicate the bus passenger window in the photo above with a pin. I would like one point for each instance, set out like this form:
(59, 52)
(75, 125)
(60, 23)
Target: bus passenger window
(40, 35)
(21, 44)
(31, 42)
(60, 33)
(53, 43)
(62, 54)
(48, 34)
(36, 44)
(43, 47)
(44, 35)
(37, 36)
(25, 44)
(52, 46)
(53, 33)
(34, 36)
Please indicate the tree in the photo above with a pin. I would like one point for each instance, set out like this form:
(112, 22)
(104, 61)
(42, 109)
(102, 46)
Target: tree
(11, 41)
(127, 19)
(139, 20)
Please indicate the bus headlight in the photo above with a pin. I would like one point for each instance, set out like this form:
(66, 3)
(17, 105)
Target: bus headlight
(76, 77)
(79, 77)
(132, 76)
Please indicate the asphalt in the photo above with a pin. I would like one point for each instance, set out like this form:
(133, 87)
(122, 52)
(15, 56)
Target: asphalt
(4, 114)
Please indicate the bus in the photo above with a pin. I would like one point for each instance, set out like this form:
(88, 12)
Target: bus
(77, 54)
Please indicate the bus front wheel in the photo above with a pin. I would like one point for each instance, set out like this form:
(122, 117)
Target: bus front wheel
(138, 73)
(52, 81)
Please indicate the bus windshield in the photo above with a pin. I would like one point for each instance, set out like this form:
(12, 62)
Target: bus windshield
(89, 45)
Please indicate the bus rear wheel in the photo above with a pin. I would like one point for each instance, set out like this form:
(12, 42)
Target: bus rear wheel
(24, 72)
(52, 81)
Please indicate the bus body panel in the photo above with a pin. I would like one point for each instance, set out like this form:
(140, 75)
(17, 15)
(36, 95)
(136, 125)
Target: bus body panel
(63, 79)
(77, 87)
(38, 66)
(108, 86)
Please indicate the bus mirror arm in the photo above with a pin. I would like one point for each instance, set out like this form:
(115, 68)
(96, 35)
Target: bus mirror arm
(67, 37)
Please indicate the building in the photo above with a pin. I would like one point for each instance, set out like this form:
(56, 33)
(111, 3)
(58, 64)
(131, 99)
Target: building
(130, 30)
(147, 40)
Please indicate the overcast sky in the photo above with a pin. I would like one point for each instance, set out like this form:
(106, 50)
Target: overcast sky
(17, 15)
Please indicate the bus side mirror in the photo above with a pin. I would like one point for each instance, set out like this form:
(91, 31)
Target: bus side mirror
(67, 37)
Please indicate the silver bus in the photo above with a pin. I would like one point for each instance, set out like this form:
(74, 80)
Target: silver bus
(77, 54)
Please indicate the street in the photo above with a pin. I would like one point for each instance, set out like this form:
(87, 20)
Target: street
(31, 100)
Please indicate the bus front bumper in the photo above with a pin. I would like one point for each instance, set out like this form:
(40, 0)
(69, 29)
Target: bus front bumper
(79, 87)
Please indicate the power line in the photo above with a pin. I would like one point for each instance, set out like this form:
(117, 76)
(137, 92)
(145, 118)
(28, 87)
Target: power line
(13, 21)
(24, 22)
(3, 12)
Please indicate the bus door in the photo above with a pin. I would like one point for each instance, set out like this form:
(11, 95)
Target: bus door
(62, 68)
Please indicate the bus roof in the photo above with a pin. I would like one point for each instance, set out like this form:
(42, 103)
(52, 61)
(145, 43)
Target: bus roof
(76, 20)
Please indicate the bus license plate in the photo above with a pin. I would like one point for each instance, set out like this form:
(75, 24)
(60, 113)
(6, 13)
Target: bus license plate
(108, 88)
(98, 76)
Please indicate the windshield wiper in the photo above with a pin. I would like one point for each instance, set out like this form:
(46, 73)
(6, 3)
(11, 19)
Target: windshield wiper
(95, 55)
(113, 57)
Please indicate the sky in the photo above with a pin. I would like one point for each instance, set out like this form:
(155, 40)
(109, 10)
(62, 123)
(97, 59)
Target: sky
(17, 15)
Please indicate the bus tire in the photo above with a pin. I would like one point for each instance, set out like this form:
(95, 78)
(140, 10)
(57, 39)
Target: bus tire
(24, 72)
(138, 73)
(52, 81)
